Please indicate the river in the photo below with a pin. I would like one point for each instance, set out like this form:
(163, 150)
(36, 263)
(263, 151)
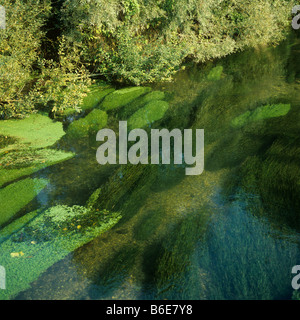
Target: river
(231, 232)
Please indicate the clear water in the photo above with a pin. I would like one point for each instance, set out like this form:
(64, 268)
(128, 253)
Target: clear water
(230, 233)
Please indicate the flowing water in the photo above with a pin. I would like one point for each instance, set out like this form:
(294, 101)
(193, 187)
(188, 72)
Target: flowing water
(229, 233)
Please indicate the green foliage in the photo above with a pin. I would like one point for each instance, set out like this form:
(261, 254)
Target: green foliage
(23, 156)
(145, 41)
(60, 84)
(151, 112)
(129, 41)
(261, 113)
(16, 195)
(27, 79)
(92, 100)
(19, 49)
(94, 121)
(94, 97)
(122, 97)
(42, 239)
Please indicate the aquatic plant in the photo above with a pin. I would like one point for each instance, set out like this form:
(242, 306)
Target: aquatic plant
(18, 163)
(176, 253)
(122, 97)
(151, 112)
(16, 195)
(244, 257)
(45, 238)
(95, 96)
(139, 103)
(261, 113)
(215, 73)
(94, 121)
(35, 131)
(275, 175)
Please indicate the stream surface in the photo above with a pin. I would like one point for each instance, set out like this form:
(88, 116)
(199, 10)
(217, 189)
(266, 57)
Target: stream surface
(229, 233)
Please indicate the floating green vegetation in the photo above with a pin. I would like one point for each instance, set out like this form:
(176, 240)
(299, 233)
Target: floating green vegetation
(16, 195)
(215, 73)
(5, 141)
(261, 113)
(46, 238)
(16, 225)
(122, 97)
(141, 102)
(36, 131)
(150, 113)
(16, 164)
(88, 125)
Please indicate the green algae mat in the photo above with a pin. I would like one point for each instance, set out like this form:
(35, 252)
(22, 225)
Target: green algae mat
(35, 131)
(33, 243)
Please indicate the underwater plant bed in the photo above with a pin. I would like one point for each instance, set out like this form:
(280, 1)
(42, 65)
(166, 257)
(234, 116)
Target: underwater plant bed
(30, 246)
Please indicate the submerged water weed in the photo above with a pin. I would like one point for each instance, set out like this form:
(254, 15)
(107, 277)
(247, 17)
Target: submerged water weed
(244, 257)
(151, 112)
(92, 100)
(215, 73)
(122, 97)
(139, 103)
(261, 113)
(46, 238)
(16, 195)
(5, 141)
(89, 125)
(18, 163)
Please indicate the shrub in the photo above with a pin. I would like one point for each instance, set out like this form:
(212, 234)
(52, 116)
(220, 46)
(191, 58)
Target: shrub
(140, 41)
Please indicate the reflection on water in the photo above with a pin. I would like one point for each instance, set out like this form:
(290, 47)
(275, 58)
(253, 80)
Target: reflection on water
(231, 233)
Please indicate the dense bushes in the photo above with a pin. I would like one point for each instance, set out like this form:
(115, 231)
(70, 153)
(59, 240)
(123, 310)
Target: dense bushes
(27, 78)
(139, 41)
(129, 41)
